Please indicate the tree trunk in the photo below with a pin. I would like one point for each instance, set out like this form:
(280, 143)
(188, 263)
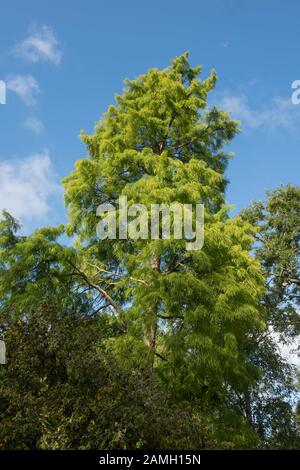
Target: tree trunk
(151, 329)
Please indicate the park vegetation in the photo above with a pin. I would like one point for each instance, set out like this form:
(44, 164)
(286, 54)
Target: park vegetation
(142, 344)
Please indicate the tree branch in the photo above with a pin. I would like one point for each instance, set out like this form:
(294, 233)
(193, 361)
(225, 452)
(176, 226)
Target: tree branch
(170, 317)
(98, 288)
(101, 270)
(160, 357)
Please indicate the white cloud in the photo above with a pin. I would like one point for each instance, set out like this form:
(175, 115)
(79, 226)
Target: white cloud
(290, 353)
(34, 124)
(28, 186)
(25, 87)
(280, 113)
(40, 45)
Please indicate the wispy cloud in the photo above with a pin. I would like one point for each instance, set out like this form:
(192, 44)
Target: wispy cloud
(279, 113)
(25, 87)
(34, 124)
(40, 45)
(27, 187)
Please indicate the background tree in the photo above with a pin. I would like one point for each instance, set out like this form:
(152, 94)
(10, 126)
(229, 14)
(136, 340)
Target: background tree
(272, 401)
(278, 250)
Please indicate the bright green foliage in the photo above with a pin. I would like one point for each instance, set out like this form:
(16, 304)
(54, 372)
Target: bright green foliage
(36, 269)
(158, 140)
(160, 144)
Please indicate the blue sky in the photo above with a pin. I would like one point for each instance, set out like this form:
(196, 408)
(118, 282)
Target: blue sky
(63, 61)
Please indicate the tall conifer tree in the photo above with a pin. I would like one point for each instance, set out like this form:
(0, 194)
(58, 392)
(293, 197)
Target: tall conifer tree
(190, 310)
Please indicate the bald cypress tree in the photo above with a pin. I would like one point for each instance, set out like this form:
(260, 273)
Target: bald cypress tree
(182, 313)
